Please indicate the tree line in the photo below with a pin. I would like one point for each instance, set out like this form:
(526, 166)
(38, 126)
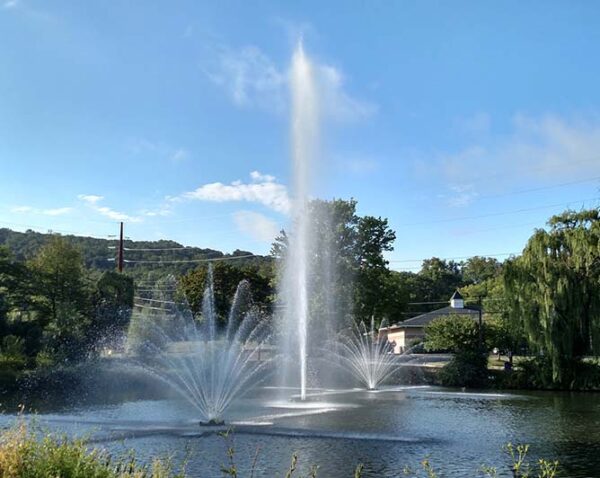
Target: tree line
(57, 303)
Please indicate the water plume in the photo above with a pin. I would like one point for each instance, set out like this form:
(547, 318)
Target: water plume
(304, 124)
(207, 363)
(366, 355)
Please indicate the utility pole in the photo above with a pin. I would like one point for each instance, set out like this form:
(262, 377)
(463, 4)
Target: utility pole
(120, 259)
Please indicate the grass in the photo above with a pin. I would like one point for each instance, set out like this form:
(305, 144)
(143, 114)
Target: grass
(25, 453)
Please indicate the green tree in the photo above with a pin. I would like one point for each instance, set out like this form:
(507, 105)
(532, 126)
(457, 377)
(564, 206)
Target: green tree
(438, 279)
(349, 275)
(374, 237)
(478, 269)
(112, 303)
(12, 275)
(460, 335)
(61, 298)
(554, 289)
(226, 279)
(453, 333)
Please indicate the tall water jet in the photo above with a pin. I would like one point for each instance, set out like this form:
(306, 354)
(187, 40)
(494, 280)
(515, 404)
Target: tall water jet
(304, 124)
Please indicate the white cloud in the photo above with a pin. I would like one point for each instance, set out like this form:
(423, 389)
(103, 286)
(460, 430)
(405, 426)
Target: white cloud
(20, 209)
(249, 77)
(59, 211)
(256, 176)
(180, 155)
(538, 148)
(90, 198)
(256, 225)
(163, 210)
(262, 190)
(92, 201)
(338, 104)
(252, 79)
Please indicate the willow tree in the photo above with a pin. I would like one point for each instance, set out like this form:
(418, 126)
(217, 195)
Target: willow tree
(554, 289)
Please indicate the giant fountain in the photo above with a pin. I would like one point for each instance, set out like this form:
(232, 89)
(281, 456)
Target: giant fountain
(304, 122)
(211, 366)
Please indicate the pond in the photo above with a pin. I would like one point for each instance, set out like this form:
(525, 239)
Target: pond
(385, 430)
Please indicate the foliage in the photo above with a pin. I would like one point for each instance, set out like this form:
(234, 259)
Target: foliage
(536, 373)
(12, 353)
(144, 335)
(226, 279)
(478, 269)
(350, 277)
(458, 334)
(374, 237)
(112, 303)
(555, 290)
(95, 252)
(452, 333)
(467, 368)
(26, 452)
(24, 455)
(60, 298)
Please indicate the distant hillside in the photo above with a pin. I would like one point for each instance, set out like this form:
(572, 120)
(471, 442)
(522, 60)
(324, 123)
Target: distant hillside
(96, 252)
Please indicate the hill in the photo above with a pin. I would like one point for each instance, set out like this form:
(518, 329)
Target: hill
(163, 257)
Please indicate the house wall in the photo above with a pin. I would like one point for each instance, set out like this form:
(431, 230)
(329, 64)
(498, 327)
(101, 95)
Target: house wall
(397, 336)
(404, 337)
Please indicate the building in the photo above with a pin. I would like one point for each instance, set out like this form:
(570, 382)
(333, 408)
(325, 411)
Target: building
(404, 334)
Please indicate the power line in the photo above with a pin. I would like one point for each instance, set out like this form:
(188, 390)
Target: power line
(141, 306)
(187, 248)
(155, 300)
(479, 216)
(541, 188)
(186, 261)
(156, 290)
(459, 257)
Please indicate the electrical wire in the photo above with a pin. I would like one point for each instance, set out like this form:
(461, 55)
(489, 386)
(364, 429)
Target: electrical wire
(457, 257)
(503, 213)
(186, 261)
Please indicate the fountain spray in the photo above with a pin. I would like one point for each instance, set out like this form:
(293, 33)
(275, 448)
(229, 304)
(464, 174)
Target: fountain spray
(304, 124)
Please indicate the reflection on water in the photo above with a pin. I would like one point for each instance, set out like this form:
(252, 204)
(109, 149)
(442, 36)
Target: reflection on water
(385, 430)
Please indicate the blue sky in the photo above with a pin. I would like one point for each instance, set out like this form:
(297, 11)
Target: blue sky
(467, 124)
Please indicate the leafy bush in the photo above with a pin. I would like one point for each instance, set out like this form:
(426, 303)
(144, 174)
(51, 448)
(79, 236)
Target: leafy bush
(452, 333)
(537, 373)
(12, 353)
(466, 369)
(45, 359)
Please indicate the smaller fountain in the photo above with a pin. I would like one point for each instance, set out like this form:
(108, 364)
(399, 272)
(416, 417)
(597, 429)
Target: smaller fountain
(207, 363)
(365, 355)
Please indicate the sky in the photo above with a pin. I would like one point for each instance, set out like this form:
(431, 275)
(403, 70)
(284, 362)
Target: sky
(466, 124)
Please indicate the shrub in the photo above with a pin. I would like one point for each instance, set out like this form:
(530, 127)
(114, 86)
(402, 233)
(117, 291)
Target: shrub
(454, 333)
(466, 369)
(577, 374)
(12, 353)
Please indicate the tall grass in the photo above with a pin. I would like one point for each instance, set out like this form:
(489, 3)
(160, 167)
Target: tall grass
(26, 454)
